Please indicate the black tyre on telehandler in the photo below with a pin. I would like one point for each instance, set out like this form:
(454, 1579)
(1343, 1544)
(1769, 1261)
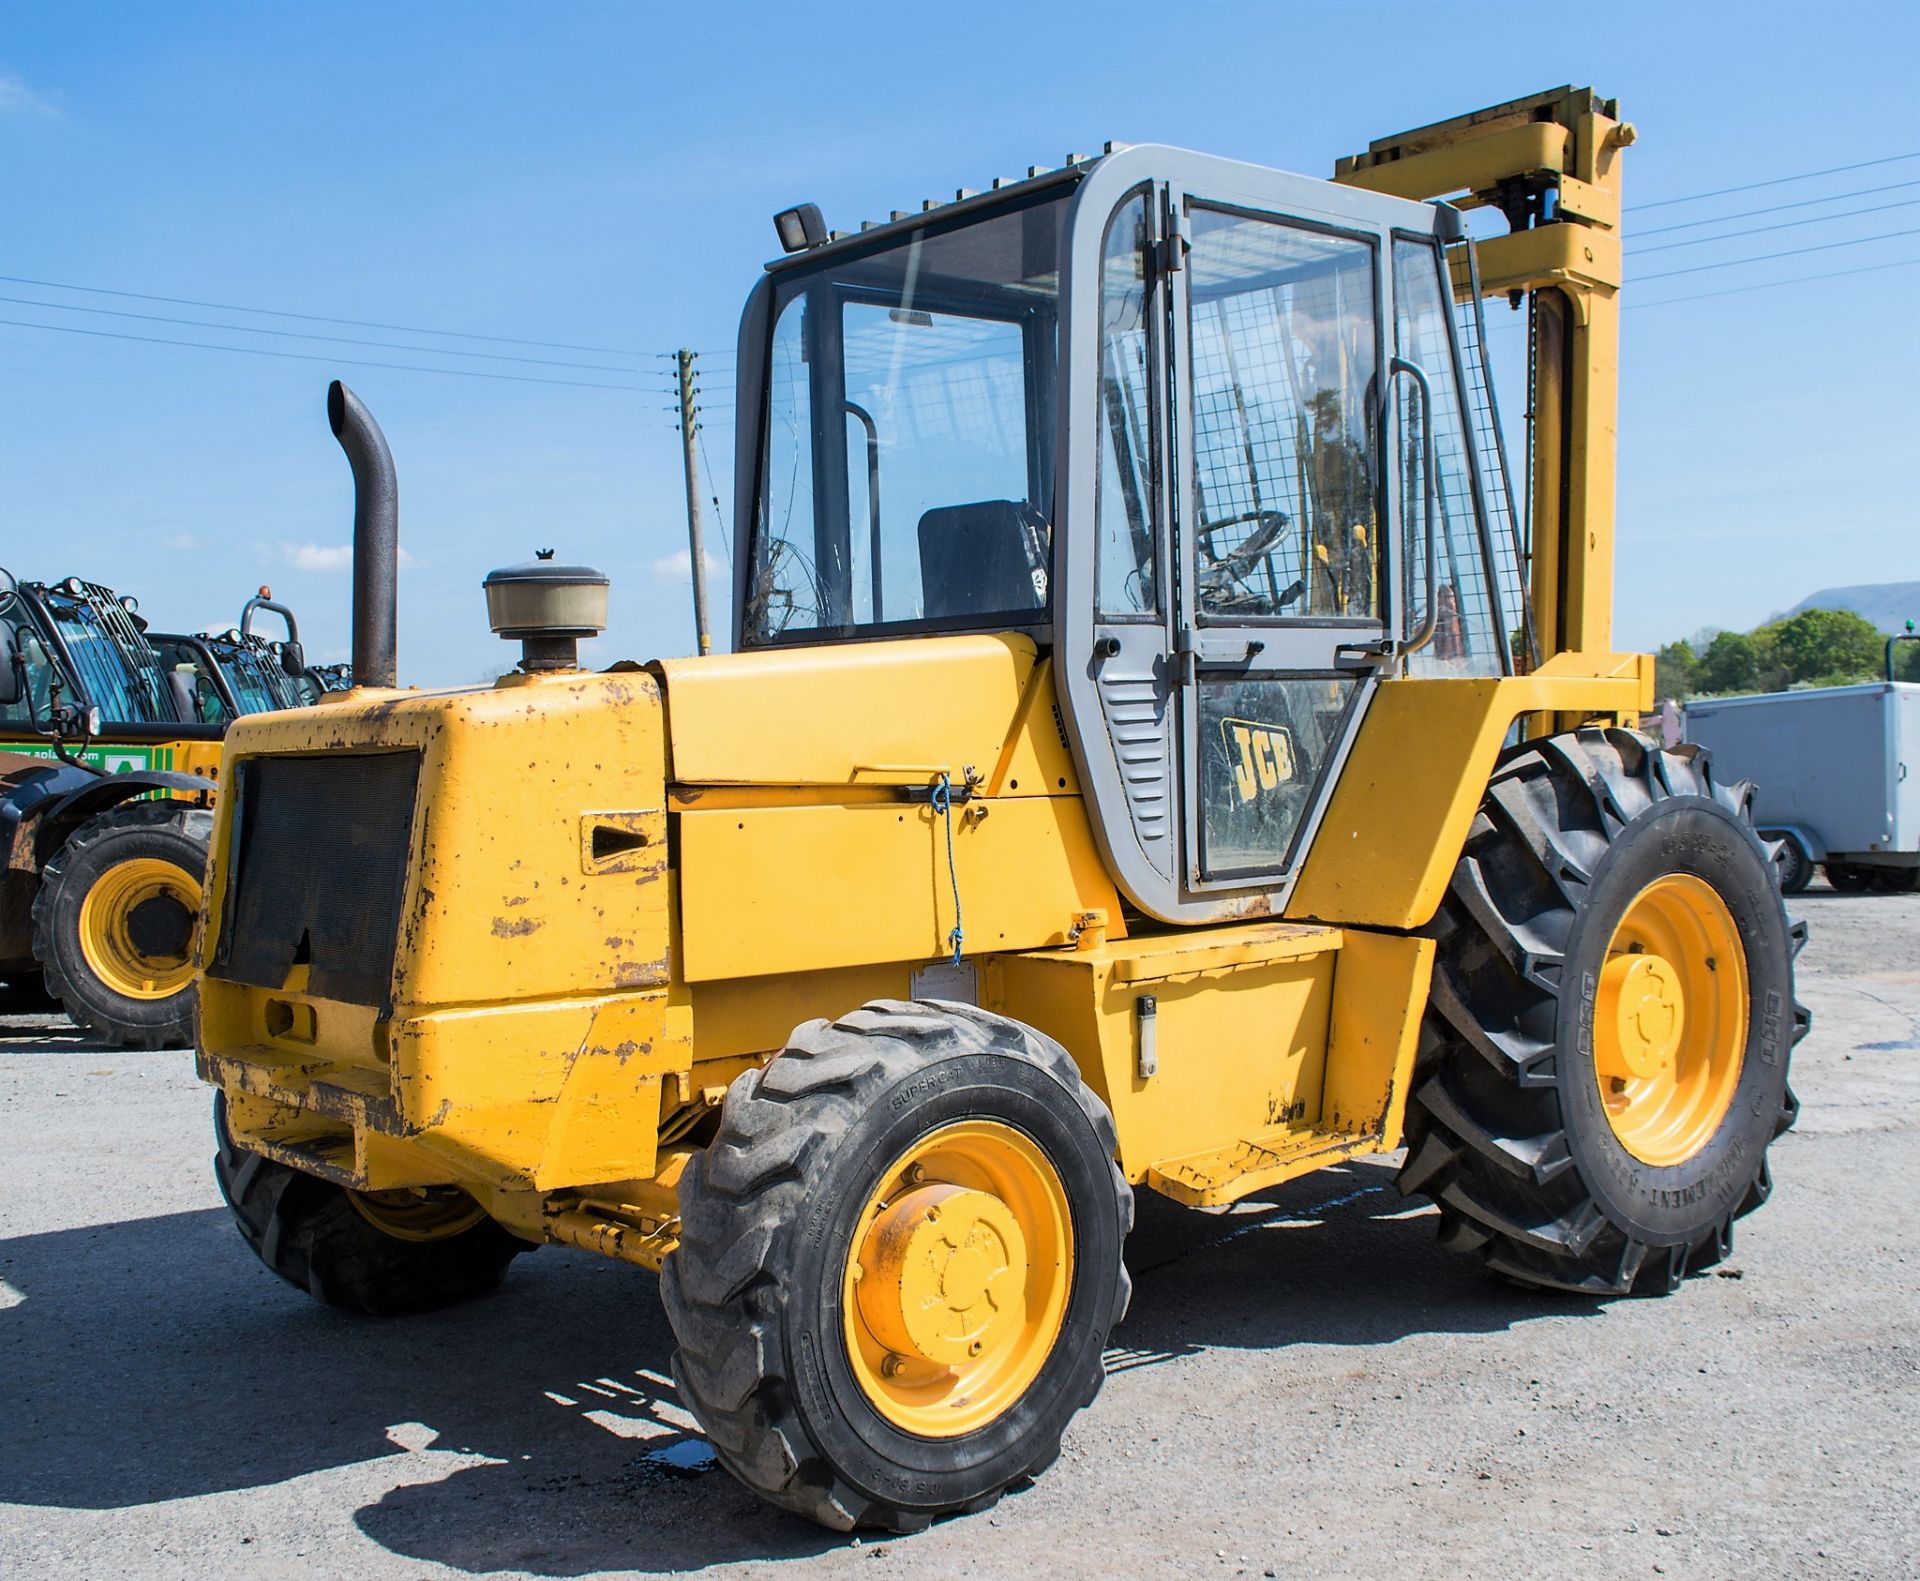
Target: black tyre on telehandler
(898, 1265)
(1604, 1060)
(113, 922)
(382, 1253)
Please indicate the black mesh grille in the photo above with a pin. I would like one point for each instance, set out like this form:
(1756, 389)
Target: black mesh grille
(320, 866)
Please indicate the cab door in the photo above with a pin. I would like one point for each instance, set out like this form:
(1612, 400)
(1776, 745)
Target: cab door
(1252, 443)
(1283, 499)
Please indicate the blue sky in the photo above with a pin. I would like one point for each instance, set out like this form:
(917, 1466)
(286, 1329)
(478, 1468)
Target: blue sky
(603, 176)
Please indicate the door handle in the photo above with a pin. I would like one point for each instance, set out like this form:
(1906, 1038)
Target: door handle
(1430, 458)
(1364, 655)
(1195, 650)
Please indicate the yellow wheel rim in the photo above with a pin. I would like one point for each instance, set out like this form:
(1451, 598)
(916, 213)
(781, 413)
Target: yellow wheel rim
(410, 1215)
(136, 927)
(1670, 1020)
(957, 1284)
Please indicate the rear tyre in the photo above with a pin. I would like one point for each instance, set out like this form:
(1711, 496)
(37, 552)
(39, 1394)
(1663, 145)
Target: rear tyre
(1791, 862)
(1897, 880)
(382, 1253)
(899, 1263)
(113, 922)
(1848, 879)
(1604, 1060)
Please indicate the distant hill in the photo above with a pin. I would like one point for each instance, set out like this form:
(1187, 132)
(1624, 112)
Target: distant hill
(1889, 605)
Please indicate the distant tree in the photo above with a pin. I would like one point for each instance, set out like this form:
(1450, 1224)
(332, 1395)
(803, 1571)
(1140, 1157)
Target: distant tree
(1676, 670)
(1822, 647)
(1730, 664)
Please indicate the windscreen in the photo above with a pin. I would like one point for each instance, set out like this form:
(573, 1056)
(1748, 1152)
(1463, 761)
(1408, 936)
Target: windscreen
(254, 673)
(111, 658)
(906, 474)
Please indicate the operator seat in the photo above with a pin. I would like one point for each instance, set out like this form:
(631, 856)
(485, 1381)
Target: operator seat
(988, 558)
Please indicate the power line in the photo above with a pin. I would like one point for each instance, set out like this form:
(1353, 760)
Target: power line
(302, 356)
(317, 318)
(1778, 208)
(298, 334)
(1768, 285)
(1778, 181)
(1791, 252)
(1762, 230)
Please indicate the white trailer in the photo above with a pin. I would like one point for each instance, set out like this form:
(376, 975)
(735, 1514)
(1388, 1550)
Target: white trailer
(1833, 770)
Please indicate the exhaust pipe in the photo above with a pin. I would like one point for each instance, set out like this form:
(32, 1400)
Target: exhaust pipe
(376, 538)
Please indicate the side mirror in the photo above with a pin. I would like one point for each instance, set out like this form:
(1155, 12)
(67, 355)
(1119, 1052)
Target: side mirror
(9, 669)
(293, 659)
(9, 589)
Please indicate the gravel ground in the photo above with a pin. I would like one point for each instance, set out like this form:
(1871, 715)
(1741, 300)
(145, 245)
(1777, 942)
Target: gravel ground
(1305, 1387)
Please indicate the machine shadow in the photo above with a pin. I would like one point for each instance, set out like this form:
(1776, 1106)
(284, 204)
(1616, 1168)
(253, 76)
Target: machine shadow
(154, 1359)
(1338, 1257)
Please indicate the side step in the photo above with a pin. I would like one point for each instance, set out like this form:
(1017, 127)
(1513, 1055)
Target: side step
(1214, 1179)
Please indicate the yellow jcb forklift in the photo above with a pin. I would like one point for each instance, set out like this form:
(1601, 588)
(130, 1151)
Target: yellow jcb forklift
(1141, 763)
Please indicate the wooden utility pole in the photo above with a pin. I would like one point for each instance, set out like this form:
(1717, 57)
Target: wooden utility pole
(683, 360)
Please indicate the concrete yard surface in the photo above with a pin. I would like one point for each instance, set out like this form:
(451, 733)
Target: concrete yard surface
(1306, 1386)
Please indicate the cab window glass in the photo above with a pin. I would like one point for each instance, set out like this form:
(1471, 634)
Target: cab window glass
(1283, 341)
(907, 441)
(1263, 745)
(36, 698)
(1465, 640)
(1126, 551)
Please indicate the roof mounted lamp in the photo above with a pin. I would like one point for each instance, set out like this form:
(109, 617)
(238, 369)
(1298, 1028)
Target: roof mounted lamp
(547, 608)
(800, 227)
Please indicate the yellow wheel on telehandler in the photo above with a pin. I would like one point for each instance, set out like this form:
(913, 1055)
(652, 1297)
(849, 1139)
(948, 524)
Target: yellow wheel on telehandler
(1605, 1057)
(114, 917)
(899, 1263)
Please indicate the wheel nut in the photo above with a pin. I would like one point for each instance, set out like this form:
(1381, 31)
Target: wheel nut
(915, 1174)
(893, 1366)
(974, 1348)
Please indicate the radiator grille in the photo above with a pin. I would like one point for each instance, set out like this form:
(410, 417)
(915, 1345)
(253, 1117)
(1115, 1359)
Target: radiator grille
(319, 870)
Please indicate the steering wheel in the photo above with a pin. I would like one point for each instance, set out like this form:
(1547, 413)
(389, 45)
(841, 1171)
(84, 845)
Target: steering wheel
(1223, 576)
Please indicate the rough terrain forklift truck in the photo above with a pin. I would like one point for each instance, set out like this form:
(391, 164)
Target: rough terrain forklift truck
(1139, 764)
(109, 755)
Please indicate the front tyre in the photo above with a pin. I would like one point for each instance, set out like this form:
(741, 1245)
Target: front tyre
(899, 1263)
(382, 1253)
(1604, 1061)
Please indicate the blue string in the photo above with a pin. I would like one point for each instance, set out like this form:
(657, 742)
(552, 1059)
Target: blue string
(943, 803)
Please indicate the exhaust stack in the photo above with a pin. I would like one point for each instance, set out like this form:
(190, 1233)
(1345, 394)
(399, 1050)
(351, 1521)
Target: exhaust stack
(376, 538)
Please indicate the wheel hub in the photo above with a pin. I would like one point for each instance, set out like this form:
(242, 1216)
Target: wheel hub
(1670, 1018)
(1641, 998)
(957, 1278)
(942, 1271)
(136, 927)
(160, 926)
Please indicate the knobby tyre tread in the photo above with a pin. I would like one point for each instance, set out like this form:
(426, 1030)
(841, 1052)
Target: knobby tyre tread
(1497, 1132)
(171, 830)
(729, 1288)
(307, 1232)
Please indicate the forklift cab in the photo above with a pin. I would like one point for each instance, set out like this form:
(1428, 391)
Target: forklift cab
(89, 641)
(1209, 434)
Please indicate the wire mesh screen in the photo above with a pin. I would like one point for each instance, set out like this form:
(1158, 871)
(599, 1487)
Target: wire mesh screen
(1467, 639)
(117, 666)
(1489, 439)
(1282, 349)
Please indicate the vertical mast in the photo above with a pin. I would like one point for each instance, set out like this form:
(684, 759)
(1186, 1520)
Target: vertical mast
(1550, 163)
